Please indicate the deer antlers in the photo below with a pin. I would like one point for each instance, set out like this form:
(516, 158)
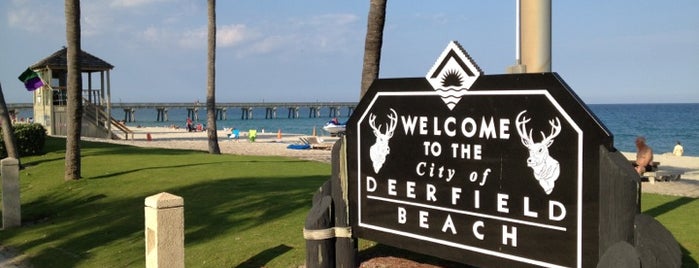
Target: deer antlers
(391, 125)
(527, 137)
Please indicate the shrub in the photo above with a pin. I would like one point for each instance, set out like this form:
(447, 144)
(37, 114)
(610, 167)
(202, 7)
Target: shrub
(30, 140)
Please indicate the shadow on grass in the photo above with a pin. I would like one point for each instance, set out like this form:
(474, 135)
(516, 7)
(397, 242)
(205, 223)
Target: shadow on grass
(262, 258)
(667, 207)
(54, 150)
(687, 260)
(73, 223)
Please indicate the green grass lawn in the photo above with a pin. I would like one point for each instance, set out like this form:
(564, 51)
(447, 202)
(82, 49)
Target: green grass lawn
(241, 211)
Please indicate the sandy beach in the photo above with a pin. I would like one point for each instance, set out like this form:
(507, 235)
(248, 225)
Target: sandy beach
(269, 144)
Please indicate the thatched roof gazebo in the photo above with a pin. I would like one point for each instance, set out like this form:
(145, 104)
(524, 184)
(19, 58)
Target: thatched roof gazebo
(50, 100)
(59, 60)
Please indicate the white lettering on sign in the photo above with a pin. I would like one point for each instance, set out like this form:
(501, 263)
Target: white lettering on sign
(459, 198)
(476, 226)
(509, 236)
(422, 169)
(508, 233)
(451, 126)
(449, 224)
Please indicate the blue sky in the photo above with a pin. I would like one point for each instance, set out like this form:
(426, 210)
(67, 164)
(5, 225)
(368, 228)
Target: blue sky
(311, 50)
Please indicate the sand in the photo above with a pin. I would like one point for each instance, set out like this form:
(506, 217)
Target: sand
(268, 144)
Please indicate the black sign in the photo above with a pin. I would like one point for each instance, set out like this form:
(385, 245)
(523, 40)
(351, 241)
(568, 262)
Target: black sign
(478, 169)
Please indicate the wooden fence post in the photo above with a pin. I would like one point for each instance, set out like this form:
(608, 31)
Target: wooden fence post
(345, 245)
(320, 241)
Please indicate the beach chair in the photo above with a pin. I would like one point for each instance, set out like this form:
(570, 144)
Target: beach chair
(252, 135)
(234, 135)
(658, 174)
(316, 143)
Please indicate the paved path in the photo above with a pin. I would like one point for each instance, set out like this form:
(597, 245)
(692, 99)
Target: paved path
(11, 259)
(682, 187)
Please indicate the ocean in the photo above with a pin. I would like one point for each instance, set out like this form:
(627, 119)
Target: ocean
(663, 125)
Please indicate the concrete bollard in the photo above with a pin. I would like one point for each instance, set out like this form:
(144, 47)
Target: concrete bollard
(164, 215)
(11, 206)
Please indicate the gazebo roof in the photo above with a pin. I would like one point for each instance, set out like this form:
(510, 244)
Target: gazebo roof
(58, 60)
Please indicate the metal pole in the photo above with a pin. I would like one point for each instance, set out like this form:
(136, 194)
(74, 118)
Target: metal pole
(535, 26)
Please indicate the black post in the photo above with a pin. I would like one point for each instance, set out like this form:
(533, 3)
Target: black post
(345, 247)
(320, 249)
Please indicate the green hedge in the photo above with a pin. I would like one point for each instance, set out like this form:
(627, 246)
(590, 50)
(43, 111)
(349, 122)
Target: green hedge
(30, 140)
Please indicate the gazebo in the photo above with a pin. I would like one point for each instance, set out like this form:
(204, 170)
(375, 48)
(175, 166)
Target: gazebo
(50, 99)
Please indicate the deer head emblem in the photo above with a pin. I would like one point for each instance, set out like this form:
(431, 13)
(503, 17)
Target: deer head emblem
(380, 149)
(546, 169)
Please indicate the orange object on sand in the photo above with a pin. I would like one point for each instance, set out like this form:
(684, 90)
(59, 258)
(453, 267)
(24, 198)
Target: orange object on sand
(148, 137)
(279, 135)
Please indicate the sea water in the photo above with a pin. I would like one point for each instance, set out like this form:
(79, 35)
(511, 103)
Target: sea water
(663, 125)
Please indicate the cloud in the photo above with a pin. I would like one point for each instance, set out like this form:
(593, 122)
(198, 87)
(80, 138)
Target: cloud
(267, 45)
(133, 3)
(35, 16)
(327, 33)
(231, 35)
(226, 36)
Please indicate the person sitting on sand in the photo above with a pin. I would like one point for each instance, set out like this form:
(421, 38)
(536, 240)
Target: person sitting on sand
(678, 150)
(644, 156)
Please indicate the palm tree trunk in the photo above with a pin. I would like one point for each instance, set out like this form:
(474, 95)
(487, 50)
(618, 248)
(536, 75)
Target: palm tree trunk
(74, 91)
(211, 82)
(372, 44)
(8, 134)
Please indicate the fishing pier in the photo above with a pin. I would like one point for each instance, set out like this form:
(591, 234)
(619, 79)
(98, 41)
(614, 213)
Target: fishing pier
(272, 109)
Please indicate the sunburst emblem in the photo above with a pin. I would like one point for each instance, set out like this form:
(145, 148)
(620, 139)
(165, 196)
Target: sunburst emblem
(452, 78)
(453, 74)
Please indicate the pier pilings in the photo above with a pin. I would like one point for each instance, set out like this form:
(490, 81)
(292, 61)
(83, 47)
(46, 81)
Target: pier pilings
(162, 114)
(294, 109)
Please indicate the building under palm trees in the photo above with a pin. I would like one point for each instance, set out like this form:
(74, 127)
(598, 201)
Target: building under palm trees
(50, 100)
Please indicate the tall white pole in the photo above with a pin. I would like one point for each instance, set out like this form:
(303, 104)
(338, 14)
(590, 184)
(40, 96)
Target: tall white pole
(518, 67)
(518, 58)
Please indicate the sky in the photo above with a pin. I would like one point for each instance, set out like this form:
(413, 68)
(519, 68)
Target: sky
(312, 50)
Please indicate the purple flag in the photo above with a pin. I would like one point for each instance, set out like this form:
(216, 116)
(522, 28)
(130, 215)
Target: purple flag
(31, 80)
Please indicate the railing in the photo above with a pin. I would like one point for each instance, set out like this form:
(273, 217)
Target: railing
(101, 117)
(218, 105)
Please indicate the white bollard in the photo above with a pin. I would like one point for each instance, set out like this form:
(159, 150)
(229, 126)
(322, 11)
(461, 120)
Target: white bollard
(11, 205)
(164, 231)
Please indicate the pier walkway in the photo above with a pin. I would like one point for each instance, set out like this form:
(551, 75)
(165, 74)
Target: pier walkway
(292, 109)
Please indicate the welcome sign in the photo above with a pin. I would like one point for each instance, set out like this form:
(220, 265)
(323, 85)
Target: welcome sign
(484, 170)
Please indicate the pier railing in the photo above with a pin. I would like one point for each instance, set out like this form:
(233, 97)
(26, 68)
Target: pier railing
(271, 108)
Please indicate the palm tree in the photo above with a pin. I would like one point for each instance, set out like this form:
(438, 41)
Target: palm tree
(211, 82)
(74, 91)
(8, 134)
(372, 43)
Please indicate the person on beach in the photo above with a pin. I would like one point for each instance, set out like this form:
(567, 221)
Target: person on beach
(644, 156)
(189, 124)
(678, 150)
